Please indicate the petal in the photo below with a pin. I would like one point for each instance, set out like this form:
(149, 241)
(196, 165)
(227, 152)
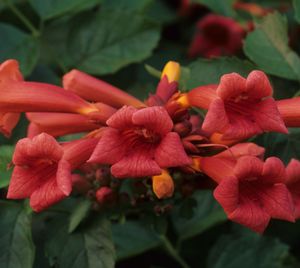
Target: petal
(170, 152)
(153, 118)
(9, 71)
(273, 171)
(227, 194)
(48, 194)
(110, 149)
(202, 96)
(43, 146)
(248, 167)
(59, 124)
(96, 90)
(8, 121)
(277, 201)
(289, 110)
(250, 214)
(216, 118)
(25, 180)
(293, 172)
(77, 152)
(231, 86)
(240, 127)
(41, 97)
(137, 163)
(64, 177)
(258, 85)
(217, 168)
(242, 149)
(122, 119)
(268, 117)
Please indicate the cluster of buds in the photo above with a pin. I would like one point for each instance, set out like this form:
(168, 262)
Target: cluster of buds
(157, 139)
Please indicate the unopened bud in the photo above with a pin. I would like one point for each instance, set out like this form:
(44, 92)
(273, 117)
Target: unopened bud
(163, 185)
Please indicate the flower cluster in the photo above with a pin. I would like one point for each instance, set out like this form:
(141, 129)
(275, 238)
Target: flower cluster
(154, 139)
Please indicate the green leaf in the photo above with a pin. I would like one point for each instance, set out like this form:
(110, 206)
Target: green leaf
(6, 152)
(248, 251)
(281, 145)
(132, 238)
(152, 71)
(296, 4)
(129, 5)
(268, 47)
(17, 249)
(206, 214)
(222, 7)
(90, 246)
(203, 72)
(108, 40)
(55, 8)
(79, 214)
(15, 44)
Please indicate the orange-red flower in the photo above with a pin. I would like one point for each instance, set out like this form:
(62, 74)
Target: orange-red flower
(140, 143)
(43, 169)
(243, 107)
(255, 193)
(216, 35)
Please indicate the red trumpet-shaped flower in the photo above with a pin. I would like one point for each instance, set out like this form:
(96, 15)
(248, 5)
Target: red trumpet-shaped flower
(293, 183)
(43, 169)
(243, 107)
(9, 72)
(96, 90)
(140, 143)
(216, 35)
(255, 193)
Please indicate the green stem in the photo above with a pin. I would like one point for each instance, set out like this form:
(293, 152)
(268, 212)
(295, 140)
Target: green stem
(20, 15)
(172, 251)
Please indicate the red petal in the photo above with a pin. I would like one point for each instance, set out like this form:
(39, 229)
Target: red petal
(153, 118)
(268, 117)
(8, 121)
(293, 172)
(258, 85)
(43, 146)
(122, 119)
(217, 168)
(227, 194)
(137, 163)
(216, 118)
(96, 90)
(242, 149)
(278, 202)
(273, 171)
(46, 195)
(248, 167)
(9, 71)
(251, 215)
(240, 127)
(231, 85)
(170, 152)
(23, 183)
(64, 177)
(202, 96)
(110, 149)
(79, 151)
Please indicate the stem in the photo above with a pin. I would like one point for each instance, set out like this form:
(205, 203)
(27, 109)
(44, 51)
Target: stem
(20, 15)
(173, 252)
